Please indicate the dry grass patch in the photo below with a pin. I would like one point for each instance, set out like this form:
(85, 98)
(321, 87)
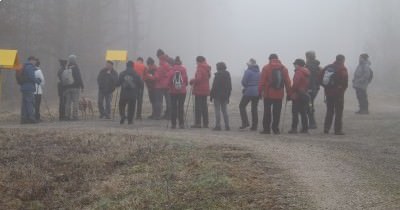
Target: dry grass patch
(69, 170)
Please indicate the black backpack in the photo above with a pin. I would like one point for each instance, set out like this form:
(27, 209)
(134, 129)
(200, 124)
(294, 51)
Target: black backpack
(177, 80)
(20, 76)
(277, 81)
(329, 78)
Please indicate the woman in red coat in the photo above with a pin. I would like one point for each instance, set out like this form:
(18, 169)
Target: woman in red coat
(201, 91)
(178, 81)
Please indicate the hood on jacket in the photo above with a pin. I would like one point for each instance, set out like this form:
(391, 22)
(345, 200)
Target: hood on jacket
(255, 68)
(304, 71)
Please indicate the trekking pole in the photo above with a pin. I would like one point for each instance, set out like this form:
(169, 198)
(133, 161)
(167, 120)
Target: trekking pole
(187, 106)
(47, 107)
(284, 116)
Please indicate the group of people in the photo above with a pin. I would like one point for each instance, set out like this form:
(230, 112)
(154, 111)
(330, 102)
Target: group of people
(167, 84)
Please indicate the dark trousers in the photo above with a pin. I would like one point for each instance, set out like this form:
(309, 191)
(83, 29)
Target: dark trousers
(201, 110)
(311, 111)
(362, 97)
(139, 104)
(131, 103)
(300, 107)
(27, 107)
(38, 101)
(159, 96)
(334, 105)
(152, 100)
(61, 106)
(178, 109)
(254, 110)
(105, 111)
(272, 112)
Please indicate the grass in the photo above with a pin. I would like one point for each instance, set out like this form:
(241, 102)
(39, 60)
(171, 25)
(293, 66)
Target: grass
(78, 170)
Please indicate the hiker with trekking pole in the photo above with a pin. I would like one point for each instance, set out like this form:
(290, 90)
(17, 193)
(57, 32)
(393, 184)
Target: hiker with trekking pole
(273, 82)
(178, 81)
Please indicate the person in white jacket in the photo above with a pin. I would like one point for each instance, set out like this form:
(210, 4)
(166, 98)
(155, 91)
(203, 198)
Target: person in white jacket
(39, 90)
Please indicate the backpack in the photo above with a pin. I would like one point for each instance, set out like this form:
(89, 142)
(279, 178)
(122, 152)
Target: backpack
(329, 78)
(276, 81)
(177, 80)
(67, 77)
(20, 76)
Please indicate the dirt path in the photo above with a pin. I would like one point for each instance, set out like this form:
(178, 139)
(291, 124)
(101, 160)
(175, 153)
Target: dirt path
(358, 171)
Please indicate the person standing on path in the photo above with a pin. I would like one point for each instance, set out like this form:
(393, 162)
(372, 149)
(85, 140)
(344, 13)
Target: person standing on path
(72, 83)
(107, 81)
(178, 81)
(362, 78)
(313, 65)
(250, 81)
(39, 90)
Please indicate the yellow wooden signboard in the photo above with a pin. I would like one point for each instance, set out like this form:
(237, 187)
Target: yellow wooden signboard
(117, 55)
(9, 59)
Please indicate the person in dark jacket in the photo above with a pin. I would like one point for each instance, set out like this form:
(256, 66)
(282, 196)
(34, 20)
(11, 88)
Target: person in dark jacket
(300, 96)
(201, 90)
(178, 81)
(60, 88)
(250, 82)
(28, 88)
(130, 83)
(107, 82)
(72, 89)
(220, 94)
(313, 65)
(149, 79)
(362, 78)
(335, 87)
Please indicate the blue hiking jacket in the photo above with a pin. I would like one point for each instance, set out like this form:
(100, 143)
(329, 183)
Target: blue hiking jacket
(250, 81)
(30, 81)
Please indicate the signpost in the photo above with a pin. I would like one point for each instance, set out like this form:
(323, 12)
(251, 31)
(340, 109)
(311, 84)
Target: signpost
(8, 61)
(116, 56)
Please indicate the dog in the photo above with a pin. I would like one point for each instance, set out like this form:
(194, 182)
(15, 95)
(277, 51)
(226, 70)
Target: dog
(86, 108)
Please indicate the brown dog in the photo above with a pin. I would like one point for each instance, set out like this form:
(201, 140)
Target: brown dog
(86, 107)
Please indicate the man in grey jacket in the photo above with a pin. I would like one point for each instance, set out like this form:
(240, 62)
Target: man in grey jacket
(362, 78)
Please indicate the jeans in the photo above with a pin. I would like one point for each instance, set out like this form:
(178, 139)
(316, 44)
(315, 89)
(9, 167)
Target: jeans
(300, 107)
(221, 106)
(201, 110)
(254, 110)
(38, 101)
(139, 104)
(107, 98)
(335, 105)
(71, 101)
(362, 98)
(178, 109)
(274, 106)
(27, 107)
(131, 103)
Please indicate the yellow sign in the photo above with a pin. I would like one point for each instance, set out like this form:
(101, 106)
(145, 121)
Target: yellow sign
(116, 55)
(9, 59)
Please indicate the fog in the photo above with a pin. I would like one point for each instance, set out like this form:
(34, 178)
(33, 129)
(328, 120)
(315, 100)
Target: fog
(222, 30)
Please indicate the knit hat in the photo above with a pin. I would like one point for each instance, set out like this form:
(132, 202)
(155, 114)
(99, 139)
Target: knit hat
(72, 59)
(299, 62)
(273, 56)
(252, 62)
(221, 66)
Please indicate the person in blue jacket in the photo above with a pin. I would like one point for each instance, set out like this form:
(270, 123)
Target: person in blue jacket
(250, 94)
(28, 88)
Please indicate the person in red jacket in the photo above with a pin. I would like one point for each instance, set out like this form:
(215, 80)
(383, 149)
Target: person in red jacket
(140, 68)
(161, 86)
(201, 90)
(274, 79)
(300, 97)
(148, 77)
(334, 79)
(178, 81)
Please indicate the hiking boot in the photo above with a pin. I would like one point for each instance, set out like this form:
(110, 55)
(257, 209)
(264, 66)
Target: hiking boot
(326, 131)
(195, 126)
(182, 126)
(217, 129)
(227, 128)
(339, 133)
(253, 128)
(265, 132)
(122, 121)
(130, 122)
(293, 131)
(312, 126)
(244, 127)
(277, 131)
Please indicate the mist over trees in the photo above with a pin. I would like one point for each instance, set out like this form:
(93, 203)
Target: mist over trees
(229, 30)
